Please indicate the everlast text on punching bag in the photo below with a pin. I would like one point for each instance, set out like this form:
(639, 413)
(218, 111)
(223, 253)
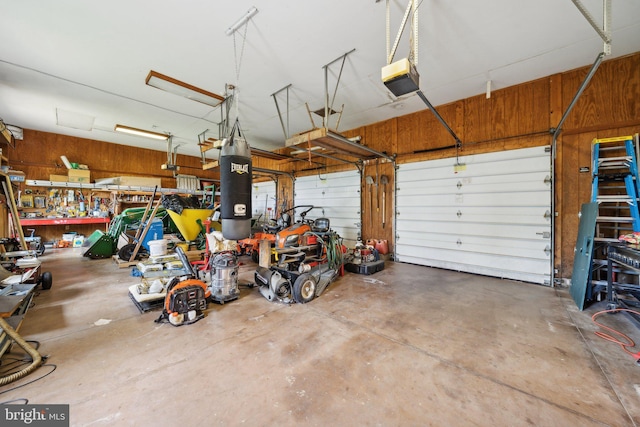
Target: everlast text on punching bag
(235, 187)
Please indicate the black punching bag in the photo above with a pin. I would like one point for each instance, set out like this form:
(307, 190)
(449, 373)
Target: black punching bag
(235, 188)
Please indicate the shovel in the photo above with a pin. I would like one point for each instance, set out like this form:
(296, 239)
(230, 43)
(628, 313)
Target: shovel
(369, 180)
(384, 180)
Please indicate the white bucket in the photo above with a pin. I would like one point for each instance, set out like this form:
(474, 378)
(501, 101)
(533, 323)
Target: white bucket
(158, 247)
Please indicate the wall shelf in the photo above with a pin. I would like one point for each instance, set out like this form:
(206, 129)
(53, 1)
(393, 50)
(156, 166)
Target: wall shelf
(89, 186)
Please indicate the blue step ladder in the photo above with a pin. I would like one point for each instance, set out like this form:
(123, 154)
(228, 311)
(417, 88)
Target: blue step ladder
(615, 163)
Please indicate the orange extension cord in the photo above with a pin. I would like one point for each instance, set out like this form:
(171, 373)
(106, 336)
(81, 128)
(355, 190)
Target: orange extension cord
(624, 345)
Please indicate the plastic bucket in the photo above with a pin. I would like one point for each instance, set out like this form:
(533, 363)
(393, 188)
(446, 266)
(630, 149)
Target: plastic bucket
(158, 247)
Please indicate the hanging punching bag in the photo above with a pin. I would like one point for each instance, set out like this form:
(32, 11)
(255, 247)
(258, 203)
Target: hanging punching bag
(235, 188)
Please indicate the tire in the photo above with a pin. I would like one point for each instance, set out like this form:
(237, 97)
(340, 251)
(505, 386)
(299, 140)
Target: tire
(126, 251)
(46, 280)
(41, 249)
(304, 289)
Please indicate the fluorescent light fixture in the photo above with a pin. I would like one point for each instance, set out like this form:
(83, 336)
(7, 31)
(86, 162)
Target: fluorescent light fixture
(171, 85)
(240, 22)
(141, 132)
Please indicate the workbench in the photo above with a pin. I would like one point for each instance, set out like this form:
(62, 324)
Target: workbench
(56, 227)
(65, 221)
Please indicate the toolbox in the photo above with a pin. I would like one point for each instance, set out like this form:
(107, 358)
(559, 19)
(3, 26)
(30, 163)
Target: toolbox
(365, 267)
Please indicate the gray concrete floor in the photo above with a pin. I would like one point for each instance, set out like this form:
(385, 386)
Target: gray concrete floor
(407, 346)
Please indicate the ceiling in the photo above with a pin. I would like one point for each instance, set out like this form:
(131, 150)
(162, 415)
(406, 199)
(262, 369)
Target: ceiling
(81, 60)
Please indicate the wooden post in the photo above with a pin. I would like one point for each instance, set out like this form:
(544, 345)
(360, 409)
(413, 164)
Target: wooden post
(265, 253)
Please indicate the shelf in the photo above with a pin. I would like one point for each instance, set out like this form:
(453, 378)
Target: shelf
(64, 221)
(89, 186)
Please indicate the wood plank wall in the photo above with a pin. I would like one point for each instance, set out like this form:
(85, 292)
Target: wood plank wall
(38, 155)
(515, 117)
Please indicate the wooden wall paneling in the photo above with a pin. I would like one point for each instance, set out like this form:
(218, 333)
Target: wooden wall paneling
(410, 132)
(627, 84)
(503, 113)
(477, 117)
(38, 155)
(612, 96)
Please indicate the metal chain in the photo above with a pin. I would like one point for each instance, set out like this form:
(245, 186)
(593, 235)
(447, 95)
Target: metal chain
(238, 65)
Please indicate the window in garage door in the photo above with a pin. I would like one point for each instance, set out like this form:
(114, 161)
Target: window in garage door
(491, 216)
(339, 195)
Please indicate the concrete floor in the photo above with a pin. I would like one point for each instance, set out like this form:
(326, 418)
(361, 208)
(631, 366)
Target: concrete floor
(407, 346)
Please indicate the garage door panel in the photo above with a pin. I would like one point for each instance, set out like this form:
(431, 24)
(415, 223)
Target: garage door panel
(487, 270)
(532, 182)
(495, 211)
(263, 200)
(508, 262)
(338, 194)
(535, 248)
(507, 162)
(531, 198)
(535, 216)
(466, 230)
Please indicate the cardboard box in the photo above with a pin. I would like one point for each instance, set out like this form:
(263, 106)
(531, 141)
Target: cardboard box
(79, 175)
(58, 178)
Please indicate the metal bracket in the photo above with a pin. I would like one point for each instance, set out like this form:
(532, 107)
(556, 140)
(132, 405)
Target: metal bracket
(329, 107)
(605, 31)
(275, 99)
(391, 52)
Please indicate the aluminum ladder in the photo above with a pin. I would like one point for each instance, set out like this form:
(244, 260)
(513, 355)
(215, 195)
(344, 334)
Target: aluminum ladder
(615, 164)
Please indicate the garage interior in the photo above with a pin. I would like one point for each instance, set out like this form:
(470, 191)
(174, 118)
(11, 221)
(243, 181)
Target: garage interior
(466, 248)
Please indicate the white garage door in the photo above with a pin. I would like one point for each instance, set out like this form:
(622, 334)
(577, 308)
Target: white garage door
(491, 215)
(263, 201)
(339, 195)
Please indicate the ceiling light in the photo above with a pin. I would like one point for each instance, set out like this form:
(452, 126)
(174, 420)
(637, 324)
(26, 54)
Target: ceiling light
(240, 22)
(141, 132)
(171, 85)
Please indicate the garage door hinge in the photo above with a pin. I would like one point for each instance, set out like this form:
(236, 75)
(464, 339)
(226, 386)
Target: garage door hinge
(544, 234)
(547, 149)
(547, 214)
(547, 250)
(547, 179)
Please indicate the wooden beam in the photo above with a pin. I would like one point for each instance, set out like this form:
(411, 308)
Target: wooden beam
(211, 165)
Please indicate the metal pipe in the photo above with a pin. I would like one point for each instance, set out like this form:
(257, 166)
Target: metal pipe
(556, 133)
(439, 117)
(581, 89)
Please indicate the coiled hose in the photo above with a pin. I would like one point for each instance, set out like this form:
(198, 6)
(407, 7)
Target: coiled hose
(35, 356)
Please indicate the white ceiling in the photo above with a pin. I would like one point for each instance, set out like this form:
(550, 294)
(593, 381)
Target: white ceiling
(89, 59)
